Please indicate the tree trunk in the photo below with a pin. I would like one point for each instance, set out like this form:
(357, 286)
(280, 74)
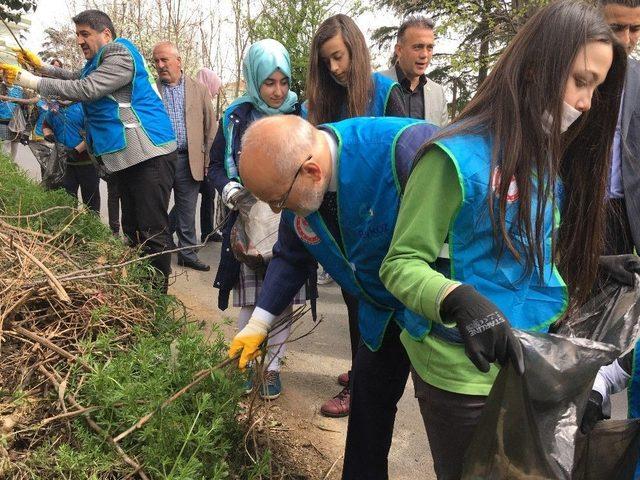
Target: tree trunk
(483, 57)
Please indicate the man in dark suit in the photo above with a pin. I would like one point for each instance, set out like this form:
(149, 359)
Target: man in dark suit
(623, 222)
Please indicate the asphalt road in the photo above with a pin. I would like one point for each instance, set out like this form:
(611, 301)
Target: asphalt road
(312, 363)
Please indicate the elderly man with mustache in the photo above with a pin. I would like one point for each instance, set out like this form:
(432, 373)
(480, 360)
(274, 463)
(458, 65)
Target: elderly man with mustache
(190, 108)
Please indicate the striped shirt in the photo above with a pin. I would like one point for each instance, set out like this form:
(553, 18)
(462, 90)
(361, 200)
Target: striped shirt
(173, 98)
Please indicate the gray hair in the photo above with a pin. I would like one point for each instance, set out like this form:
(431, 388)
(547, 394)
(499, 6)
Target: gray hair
(415, 21)
(167, 43)
(289, 147)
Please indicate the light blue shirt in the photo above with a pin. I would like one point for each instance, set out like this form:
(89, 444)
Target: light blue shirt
(616, 188)
(173, 99)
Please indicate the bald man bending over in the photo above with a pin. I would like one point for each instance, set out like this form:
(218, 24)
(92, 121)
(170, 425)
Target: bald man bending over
(341, 214)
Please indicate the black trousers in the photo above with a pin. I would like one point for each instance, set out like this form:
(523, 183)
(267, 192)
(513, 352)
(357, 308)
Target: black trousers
(144, 194)
(84, 177)
(377, 383)
(113, 204)
(450, 420)
(352, 313)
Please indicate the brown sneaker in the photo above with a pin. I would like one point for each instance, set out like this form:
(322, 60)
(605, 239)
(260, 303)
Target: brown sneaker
(343, 379)
(338, 406)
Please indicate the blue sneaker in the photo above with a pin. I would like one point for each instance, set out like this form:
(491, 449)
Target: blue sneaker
(271, 387)
(248, 383)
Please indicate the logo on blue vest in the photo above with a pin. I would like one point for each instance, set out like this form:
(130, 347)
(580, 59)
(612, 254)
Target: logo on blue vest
(513, 194)
(305, 232)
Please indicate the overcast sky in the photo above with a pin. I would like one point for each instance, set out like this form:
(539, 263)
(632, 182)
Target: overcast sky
(54, 12)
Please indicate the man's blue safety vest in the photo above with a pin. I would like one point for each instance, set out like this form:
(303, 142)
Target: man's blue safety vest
(7, 108)
(105, 130)
(378, 106)
(67, 123)
(368, 197)
(529, 301)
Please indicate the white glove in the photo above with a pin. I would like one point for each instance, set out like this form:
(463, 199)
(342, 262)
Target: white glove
(13, 74)
(230, 194)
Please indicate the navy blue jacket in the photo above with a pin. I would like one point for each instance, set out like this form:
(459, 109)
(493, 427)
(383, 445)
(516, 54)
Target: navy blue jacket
(229, 268)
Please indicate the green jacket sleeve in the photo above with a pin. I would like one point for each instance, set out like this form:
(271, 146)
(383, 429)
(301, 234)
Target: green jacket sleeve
(432, 197)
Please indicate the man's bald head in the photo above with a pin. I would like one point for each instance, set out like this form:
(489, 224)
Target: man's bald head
(167, 61)
(283, 151)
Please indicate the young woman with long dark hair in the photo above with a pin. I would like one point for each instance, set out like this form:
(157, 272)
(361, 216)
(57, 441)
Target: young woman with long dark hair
(340, 85)
(511, 197)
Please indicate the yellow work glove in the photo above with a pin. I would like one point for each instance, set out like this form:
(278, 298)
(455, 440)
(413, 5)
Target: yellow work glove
(248, 340)
(14, 74)
(27, 58)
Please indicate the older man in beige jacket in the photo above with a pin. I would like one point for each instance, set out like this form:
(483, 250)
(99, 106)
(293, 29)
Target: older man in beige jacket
(190, 108)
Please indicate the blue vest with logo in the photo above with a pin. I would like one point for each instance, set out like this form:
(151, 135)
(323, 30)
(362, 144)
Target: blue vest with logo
(7, 108)
(42, 113)
(67, 123)
(105, 130)
(368, 197)
(378, 106)
(530, 302)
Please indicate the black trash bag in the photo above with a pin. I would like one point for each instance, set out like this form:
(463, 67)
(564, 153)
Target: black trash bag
(610, 317)
(53, 163)
(529, 423)
(610, 451)
(529, 427)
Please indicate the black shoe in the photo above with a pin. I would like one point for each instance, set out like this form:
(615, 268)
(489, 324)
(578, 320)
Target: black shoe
(196, 264)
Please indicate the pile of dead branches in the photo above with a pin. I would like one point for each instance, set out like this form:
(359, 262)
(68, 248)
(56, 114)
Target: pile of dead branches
(56, 292)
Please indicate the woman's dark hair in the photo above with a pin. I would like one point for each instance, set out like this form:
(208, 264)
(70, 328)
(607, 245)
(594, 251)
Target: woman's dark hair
(528, 81)
(328, 101)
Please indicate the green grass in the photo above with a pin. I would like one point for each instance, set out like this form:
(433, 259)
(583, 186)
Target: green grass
(197, 436)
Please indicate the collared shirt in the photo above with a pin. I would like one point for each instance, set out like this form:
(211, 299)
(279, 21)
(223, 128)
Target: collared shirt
(616, 187)
(413, 99)
(333, 150)
(173, 99)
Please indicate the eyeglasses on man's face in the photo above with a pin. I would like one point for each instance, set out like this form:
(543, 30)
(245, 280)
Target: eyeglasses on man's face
(279, 204)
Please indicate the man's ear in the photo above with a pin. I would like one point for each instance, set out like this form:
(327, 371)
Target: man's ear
(313, 170)
(396, 49)
(106, 32)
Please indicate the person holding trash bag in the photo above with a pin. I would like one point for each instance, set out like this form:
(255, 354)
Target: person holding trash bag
(267, 71)
(501, 223)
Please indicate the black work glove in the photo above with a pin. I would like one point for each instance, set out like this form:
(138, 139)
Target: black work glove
(620, 267)
(485, 331)
(50, 138)
(593, 413)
